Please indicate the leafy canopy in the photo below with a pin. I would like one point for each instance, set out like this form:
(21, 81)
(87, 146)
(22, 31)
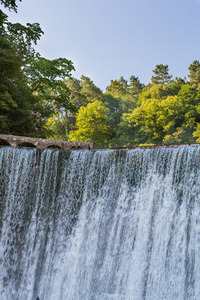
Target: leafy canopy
(31, 87)
(92, 124)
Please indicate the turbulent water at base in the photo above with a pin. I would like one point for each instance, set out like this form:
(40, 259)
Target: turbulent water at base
(100, 225)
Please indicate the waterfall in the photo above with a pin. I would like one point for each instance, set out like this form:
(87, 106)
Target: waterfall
(100, 225)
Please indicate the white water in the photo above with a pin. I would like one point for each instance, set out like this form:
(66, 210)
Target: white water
(100, 225)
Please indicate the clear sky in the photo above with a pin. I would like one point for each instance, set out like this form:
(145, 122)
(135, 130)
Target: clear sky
(107, 39)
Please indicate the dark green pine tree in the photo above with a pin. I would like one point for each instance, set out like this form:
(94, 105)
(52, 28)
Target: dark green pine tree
(161, 75)
(195, 74)
(135, 86)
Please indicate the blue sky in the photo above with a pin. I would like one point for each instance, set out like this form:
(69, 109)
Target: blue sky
(107, 39)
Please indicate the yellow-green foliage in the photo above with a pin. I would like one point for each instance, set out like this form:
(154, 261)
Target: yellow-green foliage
(92, 124)
(146, 145)
(57, 128)
(170, 119)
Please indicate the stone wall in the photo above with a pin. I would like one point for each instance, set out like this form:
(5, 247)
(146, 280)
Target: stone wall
(23, 141)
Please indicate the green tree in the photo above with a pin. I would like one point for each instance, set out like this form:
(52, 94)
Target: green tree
(59, 126)
(117, 88)
(133, 91)
(196, 133)
(114, 106)
(127, 133)
(195, 73)
(31, 87)
(158, 91)
(20, 112)
(181, 135)
(171, 118)
(11, 4)
(89, 90)
(147, 119)
(125, 95)
(135, 86)
(46, 79)
(76, 97)
(161, 75)
(92, 123)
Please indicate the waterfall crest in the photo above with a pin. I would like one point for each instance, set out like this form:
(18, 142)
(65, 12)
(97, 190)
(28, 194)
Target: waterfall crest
(100, 225)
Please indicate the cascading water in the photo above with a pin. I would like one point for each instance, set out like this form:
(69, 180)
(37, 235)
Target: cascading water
(100, 225)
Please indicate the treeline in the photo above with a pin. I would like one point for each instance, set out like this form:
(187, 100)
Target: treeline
(165, 111)
(39, 98)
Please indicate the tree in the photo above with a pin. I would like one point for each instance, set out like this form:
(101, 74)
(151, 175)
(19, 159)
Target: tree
(158, 91)
(117, 88)
(195, 73)
(59, 126)
(127, 133)
(11, 4)
(92, 124)
(147, 118)
(161, 75)
(196, 133)
(168, 119)
(115, 110)
(89, 90)
(135, 87)
(133, 90)
(31, 87)
(20, 111)
(181, 135)
(46, 79)
(76, 97)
